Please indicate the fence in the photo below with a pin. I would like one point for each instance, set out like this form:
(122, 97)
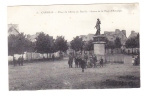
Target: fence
(32, 56)
(114, 58)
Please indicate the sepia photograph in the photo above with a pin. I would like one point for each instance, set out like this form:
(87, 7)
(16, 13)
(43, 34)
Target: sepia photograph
(91, 46)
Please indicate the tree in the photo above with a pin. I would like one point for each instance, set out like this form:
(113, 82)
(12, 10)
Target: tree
(109, 45)
(137, 40)
(117, 42)
(89, 45)
(61, 44)
(42, 43)
(77, 44)
(132, 42)
(30, 46)
(17, 44)
(12, 44)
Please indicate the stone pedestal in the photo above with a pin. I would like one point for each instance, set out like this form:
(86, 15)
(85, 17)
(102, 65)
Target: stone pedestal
(99, 46)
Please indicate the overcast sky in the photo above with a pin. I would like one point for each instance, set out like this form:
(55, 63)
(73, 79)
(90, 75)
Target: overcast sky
(32, 19)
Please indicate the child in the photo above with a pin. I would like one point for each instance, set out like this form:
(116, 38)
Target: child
(101, 62)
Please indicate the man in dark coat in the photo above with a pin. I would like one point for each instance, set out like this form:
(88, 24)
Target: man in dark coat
(70, 60)
(83, 64)
(101, 62)
(86, 58)
(94, 60)
(21, 61)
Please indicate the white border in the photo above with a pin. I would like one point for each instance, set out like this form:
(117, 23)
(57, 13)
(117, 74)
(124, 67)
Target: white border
(101, 94)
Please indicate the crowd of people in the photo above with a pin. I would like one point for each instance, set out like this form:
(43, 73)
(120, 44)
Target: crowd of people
(18, 61)
(84, 61)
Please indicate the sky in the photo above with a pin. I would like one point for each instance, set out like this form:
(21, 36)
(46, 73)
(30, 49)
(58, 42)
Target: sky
(74, 20)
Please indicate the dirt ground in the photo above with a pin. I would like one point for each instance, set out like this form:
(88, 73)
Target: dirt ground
(57, 75)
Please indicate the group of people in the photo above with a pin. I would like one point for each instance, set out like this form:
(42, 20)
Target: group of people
(83, 61)
(135, 60)
(19, 61)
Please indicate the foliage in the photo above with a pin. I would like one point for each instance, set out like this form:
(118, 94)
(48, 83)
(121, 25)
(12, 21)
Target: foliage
(117, 42)
(61, 44)
(41, 43)
(109, 44)
(77, 44)
(133, 42)
(17, 44)
(89, 45)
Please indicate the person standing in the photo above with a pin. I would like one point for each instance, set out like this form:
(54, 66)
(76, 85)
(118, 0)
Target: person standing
(70, 60)
(91, 61)
(138, 59)
(101, 62)
(86, 58)
(94, 60)
(83, 64)
(21, 61)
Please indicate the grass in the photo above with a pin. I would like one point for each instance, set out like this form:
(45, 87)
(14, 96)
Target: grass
(57, 75)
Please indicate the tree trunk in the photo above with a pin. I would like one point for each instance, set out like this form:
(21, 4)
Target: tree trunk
(132, 51)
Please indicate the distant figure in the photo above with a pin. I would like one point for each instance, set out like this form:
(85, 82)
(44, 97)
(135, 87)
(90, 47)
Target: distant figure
(70, 60)
(14, 61)
(94, 60)
(53, 57)
(137, 60)
(78, 58)
(83, 64)
(133, 60)
(101, 62)
(91, 61)
(86, 58)
(21, 60)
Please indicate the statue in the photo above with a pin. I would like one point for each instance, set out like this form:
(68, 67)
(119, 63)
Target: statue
(98, 27)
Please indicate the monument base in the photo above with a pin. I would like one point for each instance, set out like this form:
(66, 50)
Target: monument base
(99, 47)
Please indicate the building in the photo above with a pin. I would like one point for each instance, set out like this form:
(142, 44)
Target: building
(87, 37)
(33, 37)
(112, 35)
(13, 29)
(133, 34)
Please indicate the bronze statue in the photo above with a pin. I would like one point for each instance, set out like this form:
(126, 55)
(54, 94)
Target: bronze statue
(98, 27)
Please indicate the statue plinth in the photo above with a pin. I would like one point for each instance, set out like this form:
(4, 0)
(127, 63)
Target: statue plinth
(99, 45)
